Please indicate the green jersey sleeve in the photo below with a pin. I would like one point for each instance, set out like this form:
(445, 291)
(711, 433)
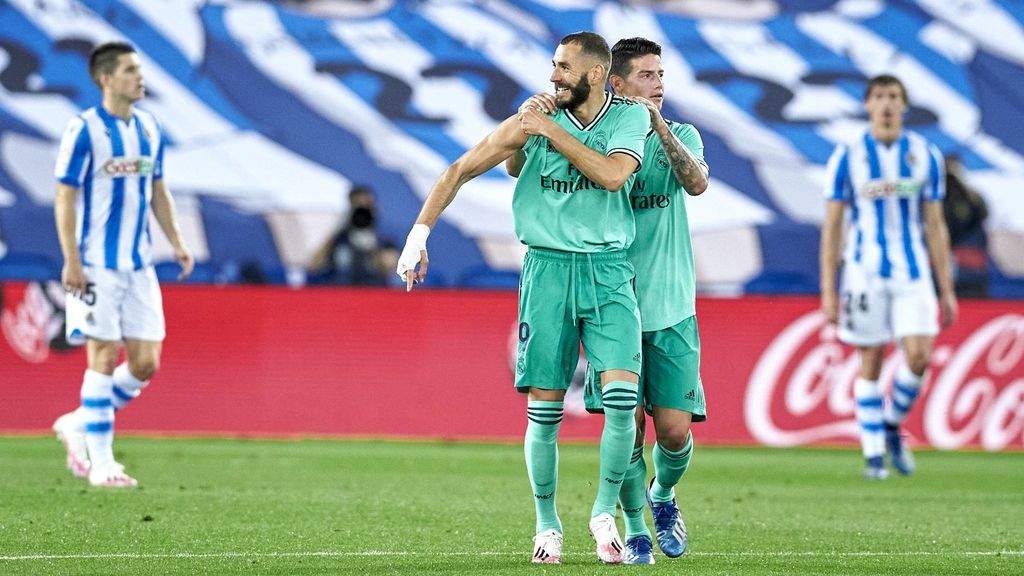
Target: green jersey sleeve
(630, 133)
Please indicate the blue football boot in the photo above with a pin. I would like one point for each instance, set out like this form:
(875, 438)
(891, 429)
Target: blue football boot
(899, 454)
(639, 550)
(668, 526)
(874, 468)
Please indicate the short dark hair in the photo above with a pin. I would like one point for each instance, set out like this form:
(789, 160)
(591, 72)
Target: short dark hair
(885, 80)
(592, 44)
(103, 59)
(627, 49)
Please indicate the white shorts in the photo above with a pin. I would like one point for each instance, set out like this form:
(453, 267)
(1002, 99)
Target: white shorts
(116, 305)
(875, 310)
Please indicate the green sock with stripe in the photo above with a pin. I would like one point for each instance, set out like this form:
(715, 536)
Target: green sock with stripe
(541, 447)
(633, 495)
(669, 467)
(617, 439)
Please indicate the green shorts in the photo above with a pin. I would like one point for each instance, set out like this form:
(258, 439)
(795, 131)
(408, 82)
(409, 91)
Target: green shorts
(670, 377)
(566, 298)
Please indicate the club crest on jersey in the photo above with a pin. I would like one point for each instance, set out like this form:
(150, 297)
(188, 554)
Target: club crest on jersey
(902, 188)
(662, 161)
(121, 167)
(600, 142)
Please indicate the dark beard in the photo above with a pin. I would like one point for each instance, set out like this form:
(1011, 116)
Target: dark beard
(580, 92)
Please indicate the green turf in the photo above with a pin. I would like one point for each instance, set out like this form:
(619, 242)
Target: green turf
(347, 507)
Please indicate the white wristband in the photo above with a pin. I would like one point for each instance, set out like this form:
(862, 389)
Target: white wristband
(415, 242)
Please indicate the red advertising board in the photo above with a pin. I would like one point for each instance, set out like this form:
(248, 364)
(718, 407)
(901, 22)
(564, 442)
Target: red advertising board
(436, 364)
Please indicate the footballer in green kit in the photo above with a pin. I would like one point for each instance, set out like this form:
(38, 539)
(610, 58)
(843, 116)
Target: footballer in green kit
(576, 153)
(670, 386)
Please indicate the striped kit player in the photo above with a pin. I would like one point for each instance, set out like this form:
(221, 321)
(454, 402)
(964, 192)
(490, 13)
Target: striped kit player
(893, 183)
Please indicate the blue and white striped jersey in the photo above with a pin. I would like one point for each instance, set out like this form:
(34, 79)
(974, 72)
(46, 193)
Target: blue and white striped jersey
(114, 164)
(885, 186)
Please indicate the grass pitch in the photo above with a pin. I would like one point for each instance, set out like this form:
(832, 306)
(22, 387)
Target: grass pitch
(221, 506)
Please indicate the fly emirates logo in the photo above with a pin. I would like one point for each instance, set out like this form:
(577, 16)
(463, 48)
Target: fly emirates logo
(903, 188)
(121, 167)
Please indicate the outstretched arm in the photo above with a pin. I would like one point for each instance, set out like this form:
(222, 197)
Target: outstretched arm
(497, 146)
(506, 139)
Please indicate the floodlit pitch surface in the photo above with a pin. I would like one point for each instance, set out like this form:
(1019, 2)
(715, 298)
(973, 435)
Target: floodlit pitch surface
(222, 506)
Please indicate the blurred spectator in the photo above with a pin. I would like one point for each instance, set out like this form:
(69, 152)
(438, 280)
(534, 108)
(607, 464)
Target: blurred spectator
(350, 256)
(965, 213)
(386, 263)
(251, 273)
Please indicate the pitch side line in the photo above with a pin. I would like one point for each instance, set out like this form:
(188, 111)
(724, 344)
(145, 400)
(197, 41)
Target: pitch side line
(385, 553)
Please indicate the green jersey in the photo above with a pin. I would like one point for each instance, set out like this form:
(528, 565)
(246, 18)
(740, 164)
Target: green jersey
(662, 253)
(556, 207)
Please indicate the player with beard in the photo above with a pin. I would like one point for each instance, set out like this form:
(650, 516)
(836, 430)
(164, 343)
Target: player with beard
(578, 151)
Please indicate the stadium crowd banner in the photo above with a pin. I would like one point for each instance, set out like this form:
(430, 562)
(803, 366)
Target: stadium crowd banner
(273, 112)
(259, 361)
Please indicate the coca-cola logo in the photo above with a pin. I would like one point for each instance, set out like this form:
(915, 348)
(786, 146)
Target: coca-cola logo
(980, 391)
(801, 389)
(31, 324)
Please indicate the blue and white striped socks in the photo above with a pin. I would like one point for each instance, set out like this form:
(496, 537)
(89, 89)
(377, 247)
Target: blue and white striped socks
(869, 415)
(126, 387)
(905, 389)
(98, 414)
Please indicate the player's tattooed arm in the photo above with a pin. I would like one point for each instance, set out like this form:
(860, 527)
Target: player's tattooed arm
(688, 170)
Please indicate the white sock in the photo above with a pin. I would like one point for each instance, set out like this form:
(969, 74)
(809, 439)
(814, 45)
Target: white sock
(905, 389)
(869, 416)
(98, 412)
(126, 386)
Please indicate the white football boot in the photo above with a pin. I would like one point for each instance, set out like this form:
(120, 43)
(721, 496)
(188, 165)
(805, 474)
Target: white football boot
(609, 545)
(72, 434)
(111, 476)
(547, 547)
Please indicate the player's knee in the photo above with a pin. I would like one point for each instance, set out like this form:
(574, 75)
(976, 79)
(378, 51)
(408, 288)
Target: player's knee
(144, 369)
(917, 361)
(674, 437)
(104, 364)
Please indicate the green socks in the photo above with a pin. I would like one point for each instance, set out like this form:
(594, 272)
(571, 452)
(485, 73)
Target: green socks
(669, 468)
(633, 496)
(541, 448)
(617, 440)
